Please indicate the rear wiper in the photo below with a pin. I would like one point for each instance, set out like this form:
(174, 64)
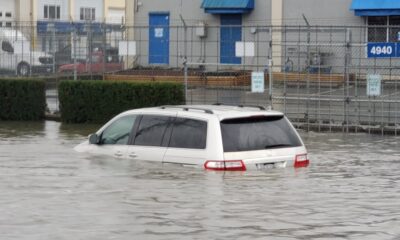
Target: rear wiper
(278, 146)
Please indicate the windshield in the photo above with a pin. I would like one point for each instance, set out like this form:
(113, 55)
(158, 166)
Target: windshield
(258, 133)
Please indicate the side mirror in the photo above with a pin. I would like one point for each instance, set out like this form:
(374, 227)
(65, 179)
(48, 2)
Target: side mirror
(94, 138)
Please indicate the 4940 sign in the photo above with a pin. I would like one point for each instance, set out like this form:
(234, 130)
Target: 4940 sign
(383, 50)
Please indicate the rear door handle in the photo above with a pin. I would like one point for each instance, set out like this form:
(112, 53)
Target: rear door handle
(118, 154)
(133, 155)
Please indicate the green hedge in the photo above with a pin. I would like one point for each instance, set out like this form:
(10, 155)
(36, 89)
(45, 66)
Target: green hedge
(22, 99)
(98, 101)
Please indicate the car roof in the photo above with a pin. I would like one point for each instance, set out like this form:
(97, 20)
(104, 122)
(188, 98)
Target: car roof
(12, 34)
(209, 111)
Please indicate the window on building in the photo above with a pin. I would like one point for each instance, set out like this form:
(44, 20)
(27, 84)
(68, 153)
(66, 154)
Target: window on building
(93, 13)
(88, 14)
(394, 23)
(1, 24)
(1, 14)
(8, 14)
(383, 28)
(51, 12)
(8, 24)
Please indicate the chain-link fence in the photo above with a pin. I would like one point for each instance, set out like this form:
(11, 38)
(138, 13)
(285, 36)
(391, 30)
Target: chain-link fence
(60, 48)
(323, 78)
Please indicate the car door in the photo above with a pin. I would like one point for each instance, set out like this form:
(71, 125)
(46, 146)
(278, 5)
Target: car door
(150, 138)
(115, 137)
(188, 141)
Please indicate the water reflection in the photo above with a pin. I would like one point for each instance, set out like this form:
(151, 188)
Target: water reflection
(350, 191)
(10, 129)
(77, 130)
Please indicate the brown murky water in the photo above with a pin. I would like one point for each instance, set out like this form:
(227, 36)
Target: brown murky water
(351, 191)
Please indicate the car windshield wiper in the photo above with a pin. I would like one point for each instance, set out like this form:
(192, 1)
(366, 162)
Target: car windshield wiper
(278, 146)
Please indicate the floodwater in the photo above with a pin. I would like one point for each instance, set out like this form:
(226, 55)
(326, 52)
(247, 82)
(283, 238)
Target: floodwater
(350, 191)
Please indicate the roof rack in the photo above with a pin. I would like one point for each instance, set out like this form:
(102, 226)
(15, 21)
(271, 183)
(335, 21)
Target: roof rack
(187, 108)
(242, 106)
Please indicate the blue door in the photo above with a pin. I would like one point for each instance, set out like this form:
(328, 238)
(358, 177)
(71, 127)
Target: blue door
(159, 38)
(231, 32)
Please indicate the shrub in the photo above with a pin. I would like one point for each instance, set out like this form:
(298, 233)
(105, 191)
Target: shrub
(22, 99)
(98, 101)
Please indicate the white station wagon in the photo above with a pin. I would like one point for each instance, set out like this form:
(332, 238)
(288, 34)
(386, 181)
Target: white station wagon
(216, 137)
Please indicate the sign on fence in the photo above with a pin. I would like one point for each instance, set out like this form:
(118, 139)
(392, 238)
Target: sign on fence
(244, 49)
(382, 50)
(257, 82)
(127, 48)
(374, 85)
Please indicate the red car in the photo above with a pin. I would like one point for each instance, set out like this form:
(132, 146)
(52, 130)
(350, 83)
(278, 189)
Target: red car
(96, 64)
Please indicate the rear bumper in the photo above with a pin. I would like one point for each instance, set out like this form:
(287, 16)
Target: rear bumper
(272, 158)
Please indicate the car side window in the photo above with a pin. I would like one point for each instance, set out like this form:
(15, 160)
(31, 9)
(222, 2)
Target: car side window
(152, 130)
(188, 133)
(119, 131)
(7, 47)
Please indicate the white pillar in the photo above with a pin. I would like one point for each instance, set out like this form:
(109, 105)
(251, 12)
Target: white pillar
(277, 23)
(130, 8)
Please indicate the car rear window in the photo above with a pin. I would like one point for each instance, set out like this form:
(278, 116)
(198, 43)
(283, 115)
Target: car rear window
(257, 133)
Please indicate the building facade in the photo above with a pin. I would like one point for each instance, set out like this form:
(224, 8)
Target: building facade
(213, 27)
(49, 23)
(7, 13)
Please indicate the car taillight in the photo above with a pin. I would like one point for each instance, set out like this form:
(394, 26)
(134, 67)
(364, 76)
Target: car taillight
(301, 161)
(229, 165)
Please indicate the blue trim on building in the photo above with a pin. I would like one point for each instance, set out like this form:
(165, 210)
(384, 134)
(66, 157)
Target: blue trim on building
(376, 7)
(227, 6)
(364, 13)
(68, 27)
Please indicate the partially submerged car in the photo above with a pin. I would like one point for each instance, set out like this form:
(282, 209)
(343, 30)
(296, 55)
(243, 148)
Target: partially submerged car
(96, 64)
(228, 138)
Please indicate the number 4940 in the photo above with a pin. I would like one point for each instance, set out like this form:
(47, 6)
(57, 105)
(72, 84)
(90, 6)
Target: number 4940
(382, 50)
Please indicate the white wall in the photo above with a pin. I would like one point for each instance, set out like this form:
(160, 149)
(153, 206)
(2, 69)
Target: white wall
(97, 4)
(62, 3)
(115, 15)
(7, 6)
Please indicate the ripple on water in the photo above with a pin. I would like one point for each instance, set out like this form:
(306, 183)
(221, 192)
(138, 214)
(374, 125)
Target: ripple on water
(350, 191)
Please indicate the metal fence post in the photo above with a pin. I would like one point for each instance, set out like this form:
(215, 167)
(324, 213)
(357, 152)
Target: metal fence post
(347, 77)
(54, 45)
(104, 43)
(308, 66)
(75, 62)
(270, 65)
(185, 67)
